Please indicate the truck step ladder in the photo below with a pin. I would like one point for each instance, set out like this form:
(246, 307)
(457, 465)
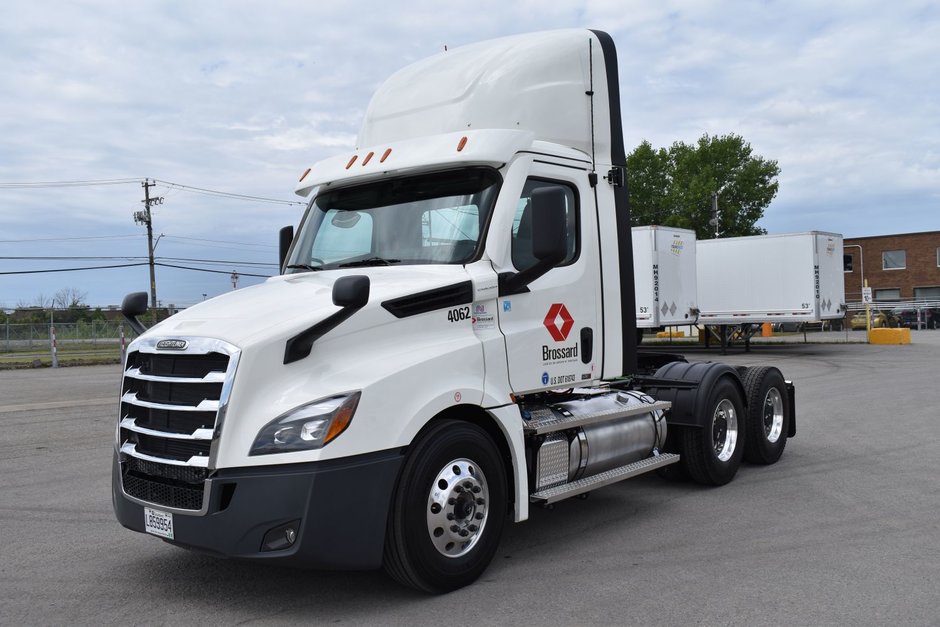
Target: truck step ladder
(545, 421)
(567, 490)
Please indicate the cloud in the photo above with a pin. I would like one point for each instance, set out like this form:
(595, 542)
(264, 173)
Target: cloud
(243, 96)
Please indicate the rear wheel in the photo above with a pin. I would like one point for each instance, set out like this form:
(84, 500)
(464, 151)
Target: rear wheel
(712, 453)
(449, 509)
(767, 415)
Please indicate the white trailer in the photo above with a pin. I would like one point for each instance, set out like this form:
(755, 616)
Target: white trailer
(664, 276)
(792, 277)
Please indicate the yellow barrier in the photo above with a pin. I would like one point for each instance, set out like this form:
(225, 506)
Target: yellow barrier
(671, 334)
(890, 336)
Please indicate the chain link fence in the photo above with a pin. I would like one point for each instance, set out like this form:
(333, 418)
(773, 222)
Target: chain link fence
(91, 342)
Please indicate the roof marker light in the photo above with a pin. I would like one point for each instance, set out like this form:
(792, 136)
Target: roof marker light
(368, 157)
(385, 155)
(351, 161)
(461, 143)
(304, 175)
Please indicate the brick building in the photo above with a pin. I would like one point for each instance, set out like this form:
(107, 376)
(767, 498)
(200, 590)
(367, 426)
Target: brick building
(903, 267)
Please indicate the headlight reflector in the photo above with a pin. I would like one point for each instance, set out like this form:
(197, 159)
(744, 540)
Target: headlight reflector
(307, 427)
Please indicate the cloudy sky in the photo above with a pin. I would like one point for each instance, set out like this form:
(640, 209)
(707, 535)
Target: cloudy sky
(241, 97)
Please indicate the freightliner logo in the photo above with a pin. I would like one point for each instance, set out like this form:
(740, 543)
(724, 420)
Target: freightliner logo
(172, 345)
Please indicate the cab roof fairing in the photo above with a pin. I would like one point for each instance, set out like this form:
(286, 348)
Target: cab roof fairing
(538, 82)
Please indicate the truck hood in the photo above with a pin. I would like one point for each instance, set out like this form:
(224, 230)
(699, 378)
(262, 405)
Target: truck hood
(291, 303)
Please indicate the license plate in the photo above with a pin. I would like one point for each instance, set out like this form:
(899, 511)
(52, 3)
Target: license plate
(158, 523)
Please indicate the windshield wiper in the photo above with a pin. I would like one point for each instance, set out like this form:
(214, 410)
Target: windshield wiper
(371, 261)
(303, 266)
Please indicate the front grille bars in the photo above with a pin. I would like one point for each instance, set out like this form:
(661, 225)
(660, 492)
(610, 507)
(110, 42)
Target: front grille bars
(173, 404)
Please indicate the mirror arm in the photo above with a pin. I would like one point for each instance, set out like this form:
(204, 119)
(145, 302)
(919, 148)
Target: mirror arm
(517, 282)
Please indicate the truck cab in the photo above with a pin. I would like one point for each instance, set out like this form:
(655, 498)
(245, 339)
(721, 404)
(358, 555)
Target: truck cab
(452, 338)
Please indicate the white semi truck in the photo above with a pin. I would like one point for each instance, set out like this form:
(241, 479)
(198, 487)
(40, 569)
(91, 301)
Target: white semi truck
(451, 341)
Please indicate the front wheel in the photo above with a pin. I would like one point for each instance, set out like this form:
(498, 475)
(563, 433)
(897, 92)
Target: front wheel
(713, 452)
(449, 509)
(767, 415)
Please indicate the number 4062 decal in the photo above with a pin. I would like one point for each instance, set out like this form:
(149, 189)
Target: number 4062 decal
(459, 314)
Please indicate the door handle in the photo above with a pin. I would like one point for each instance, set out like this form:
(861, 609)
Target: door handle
(587, 344)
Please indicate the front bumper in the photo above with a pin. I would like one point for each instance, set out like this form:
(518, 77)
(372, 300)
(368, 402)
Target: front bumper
(342, 506)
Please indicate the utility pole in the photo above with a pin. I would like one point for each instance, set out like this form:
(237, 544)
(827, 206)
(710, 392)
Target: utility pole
(714, 221)
(145, 217)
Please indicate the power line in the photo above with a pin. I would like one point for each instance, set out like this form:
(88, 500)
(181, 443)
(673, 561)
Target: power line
(86, 183)
(126, 265)
(217, 241)
(168, 265)
(168, 184)
(67, 239)
(233, 195)
(57, 258)
(137, 258)
(225, 262)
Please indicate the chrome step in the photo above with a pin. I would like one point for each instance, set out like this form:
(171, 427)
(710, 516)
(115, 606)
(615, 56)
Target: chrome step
(566, 490)
(547, 421)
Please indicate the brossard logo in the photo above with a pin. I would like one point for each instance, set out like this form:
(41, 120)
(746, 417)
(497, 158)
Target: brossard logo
(172, 345)
(558, 322)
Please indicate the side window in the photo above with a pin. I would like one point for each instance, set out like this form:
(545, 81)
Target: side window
(522, 256)
(344, 234)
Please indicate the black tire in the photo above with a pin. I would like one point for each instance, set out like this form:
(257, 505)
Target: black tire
(712, 454)
(423, 548)
(768, 415)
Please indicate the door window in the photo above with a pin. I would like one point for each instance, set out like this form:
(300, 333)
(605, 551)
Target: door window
(522, 256)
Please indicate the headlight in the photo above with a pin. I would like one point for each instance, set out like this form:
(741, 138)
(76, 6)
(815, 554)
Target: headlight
(309, 426)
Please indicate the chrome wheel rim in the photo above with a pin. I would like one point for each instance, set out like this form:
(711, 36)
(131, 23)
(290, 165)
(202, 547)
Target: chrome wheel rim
(457, 508)
(725, 430)
(773, 415)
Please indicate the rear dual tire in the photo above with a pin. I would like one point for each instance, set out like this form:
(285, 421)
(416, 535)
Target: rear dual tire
(768, 415)
(712, 453)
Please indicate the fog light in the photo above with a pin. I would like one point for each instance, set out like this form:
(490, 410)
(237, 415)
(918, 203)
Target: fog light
(280, 537)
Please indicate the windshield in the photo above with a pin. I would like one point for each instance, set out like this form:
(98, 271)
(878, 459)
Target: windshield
(432, 218)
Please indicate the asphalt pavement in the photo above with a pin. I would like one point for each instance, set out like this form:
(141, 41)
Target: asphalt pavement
(844, 530)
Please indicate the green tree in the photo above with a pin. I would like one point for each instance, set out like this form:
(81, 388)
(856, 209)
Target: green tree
(674, 186)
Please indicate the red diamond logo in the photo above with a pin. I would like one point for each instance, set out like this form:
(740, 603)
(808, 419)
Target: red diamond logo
(559, 332)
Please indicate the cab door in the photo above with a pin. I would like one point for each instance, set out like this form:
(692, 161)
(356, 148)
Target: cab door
(553, 328)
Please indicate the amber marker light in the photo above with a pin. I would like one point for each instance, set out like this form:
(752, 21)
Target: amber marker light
(351, 162)
(368, 158)
(342, 418)
(385, 155)
(304, 175)
(461, 143)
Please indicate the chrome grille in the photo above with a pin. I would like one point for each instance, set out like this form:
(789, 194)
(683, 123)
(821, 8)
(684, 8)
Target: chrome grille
(172, 405)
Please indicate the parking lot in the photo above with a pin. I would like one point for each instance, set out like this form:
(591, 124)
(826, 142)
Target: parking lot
(843, 530)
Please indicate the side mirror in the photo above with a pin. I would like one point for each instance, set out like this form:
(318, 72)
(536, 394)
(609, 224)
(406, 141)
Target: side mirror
(549, 224)
(285, 238)
(135, 304)
(549, 239)
(351, 291)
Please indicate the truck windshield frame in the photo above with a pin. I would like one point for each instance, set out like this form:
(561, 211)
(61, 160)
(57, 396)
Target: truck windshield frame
(432, 218)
